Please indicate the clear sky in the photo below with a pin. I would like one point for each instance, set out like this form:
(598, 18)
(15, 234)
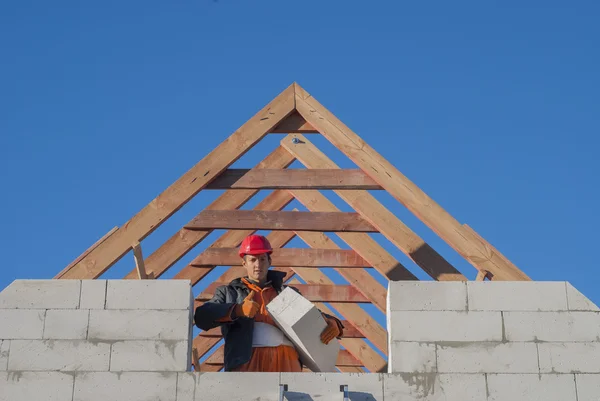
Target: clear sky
(492, 108)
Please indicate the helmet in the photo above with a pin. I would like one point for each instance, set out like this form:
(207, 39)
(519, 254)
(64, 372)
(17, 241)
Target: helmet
(255, 245)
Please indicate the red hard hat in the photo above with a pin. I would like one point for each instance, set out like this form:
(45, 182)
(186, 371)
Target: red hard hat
(255, 245)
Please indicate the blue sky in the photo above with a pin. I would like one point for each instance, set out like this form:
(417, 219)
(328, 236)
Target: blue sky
(492, 108)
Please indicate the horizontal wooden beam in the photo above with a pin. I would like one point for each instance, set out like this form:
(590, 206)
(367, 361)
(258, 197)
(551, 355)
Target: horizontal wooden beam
(288, 257)
(294, 123)
(350, 331)
(280, 221)
(293, 179)
(312, 292)
(344, 358)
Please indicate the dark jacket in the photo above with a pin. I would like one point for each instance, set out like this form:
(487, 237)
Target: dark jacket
(238, 333)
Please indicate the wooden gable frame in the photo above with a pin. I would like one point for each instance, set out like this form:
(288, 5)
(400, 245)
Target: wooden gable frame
(295, 112)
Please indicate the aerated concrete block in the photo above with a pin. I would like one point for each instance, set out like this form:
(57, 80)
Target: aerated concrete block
(93, 294)
(41, 294)
(579, 302)
(21, 323)
(186, 386)
(326, 386)
(4, 350)
(531, 387)
(434, 326)
(148, 294)
(36, 386)
(516, 296)
(434, 387)
(66, 324)
(303, 323)
(569, 357)
(237, 386)
(487, 358)
(411, 357)
(130, 386)
(152, 356)
(139, 325)
(588, 387)
(427, 295)
(61, 355)
(552, 326)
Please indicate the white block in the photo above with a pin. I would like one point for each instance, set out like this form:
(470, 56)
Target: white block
(66, 324)
(21, 323)
(569, 357)
(36, 386)
(433, 326)
(93, 294)
(41, 294)
(130, 386)
(237, 386)
(411, 357)
(151, 356)
(588, 387)
(488, 358)
(139, 325)
(434, 387)
(61, 355)
(148, 294)
(427, 295)
(186, 386)
(552, 326)
(579, 302)
(516, 296)
(531, 387)
(303, 323)
(4, 350)
(326, 386)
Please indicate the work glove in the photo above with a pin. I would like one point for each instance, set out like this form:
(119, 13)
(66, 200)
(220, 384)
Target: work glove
(248, 308)
(330, 332)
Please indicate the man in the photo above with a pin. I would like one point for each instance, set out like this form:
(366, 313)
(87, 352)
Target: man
(253, 343)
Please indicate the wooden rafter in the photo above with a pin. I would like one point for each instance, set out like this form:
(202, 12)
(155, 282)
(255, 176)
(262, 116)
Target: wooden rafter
(294, 123)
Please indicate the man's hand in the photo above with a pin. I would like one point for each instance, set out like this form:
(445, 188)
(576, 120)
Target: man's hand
(248, 308)
(331, 331)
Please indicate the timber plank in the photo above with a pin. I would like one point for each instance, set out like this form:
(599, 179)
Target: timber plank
(401, 188)
(293, 179)
(378, 215)
(312, 292)
(349, 331)
(185, 188)
(280, 220)
(294, 123)
(288, 257)
(345, 358)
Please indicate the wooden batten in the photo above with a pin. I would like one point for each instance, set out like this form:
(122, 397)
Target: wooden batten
(349, 331)
(345, 358)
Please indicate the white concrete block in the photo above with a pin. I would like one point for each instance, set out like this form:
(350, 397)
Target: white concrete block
(148, 294)
(588, 387)
(41, 294)
(411, 357)
(303, 323)
(62, 355)
(186, 386)
(93, 294)
(66, 324)
(552, 326)
(577, 301)
(531, 387)
(326, 386)
(139, 325)
(237, 386)
(487, 358)
(569, 357)
(516, 296)
(21, 323)
(433, 326)
(151, 356)
(130, 386)
(434, 387)
(427, 295)
(4, 351)
(36, 386)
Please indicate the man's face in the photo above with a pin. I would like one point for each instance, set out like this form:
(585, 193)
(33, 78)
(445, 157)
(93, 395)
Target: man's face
(256, 266)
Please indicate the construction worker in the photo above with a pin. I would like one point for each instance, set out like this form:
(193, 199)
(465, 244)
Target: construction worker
(253, 343)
